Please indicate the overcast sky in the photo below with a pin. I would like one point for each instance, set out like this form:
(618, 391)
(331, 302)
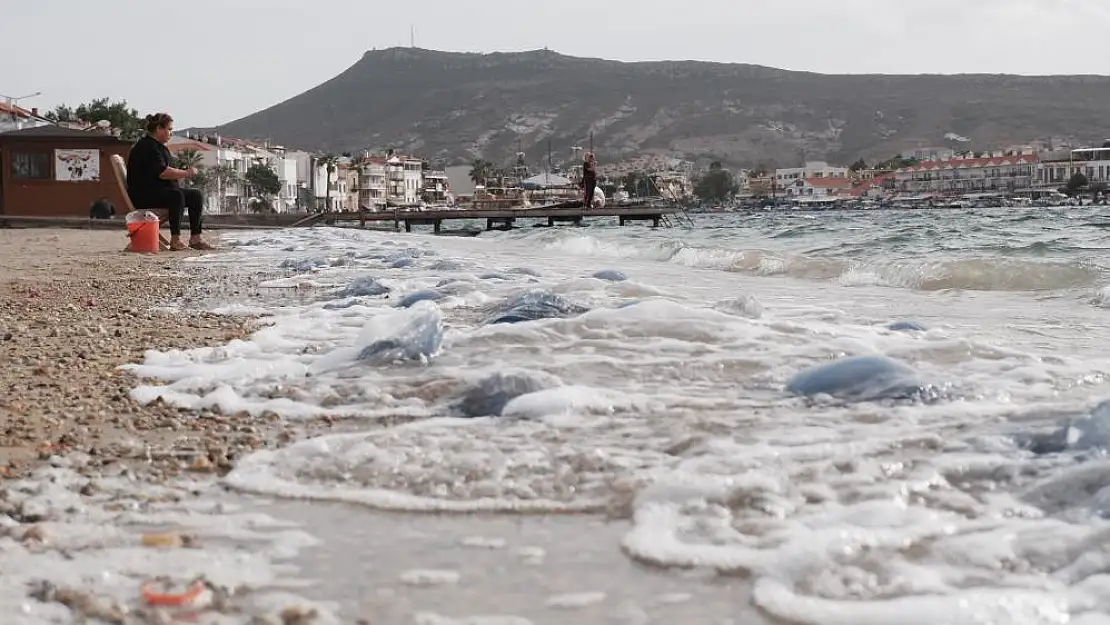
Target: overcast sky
(212, 61)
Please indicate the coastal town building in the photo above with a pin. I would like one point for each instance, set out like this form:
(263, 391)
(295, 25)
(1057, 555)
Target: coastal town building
(812, 169)
(404, 175)
(968, 175)
(931, 154)
(762, 186)
(437, 188)
(209, 156)
(373, 183)
(818, 188)
(349, 176)
(13, 117)
(51, 171)
(1057, 168)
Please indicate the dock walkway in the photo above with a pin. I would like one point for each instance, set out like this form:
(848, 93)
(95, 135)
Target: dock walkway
(504, 219)
(496, 219)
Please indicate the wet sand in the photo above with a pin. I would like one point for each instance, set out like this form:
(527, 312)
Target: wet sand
(389, 569)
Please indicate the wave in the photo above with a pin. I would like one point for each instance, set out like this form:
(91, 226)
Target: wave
(993, 273)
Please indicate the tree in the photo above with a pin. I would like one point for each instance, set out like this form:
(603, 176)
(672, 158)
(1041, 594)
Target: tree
(222, 177)
(206, 179)
(124, 120)
(187, 159)
(1077, 182)
(481, 170)
(263, 179)
(859, 165)
(305, 199)
(261, 205)
(897, 162)
(718, 184)
(329, 162)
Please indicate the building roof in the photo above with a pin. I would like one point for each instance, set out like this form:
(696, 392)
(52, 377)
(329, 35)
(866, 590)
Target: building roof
(972, 163)
(51, 131)
(190, 144)
(10, 109)
(829, 183)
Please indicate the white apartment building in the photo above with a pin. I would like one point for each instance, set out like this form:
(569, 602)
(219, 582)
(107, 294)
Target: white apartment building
(286, 170)
(229, 193)
(405, 178)
(812, 169)
(1057, 168)
(373, 185)
(226, 194)
(313, 179)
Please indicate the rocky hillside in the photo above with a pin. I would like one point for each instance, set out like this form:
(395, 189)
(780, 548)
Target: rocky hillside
(456, 107)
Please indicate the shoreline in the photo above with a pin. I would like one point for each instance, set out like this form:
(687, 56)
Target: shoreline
(73, 308)
(108, 494)
(103, 498)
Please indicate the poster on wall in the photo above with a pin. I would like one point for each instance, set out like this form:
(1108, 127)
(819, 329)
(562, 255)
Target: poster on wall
(77, 165)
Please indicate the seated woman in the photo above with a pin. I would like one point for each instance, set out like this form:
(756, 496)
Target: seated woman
(152, 183)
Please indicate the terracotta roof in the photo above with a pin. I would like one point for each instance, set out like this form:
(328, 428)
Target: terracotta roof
(190, 144)
(9, 109)
(829, 183)
(973, 163)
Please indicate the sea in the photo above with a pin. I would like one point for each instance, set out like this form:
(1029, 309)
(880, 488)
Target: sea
(842, 418)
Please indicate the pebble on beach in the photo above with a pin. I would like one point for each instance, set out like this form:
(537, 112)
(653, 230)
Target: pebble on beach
(73, 308)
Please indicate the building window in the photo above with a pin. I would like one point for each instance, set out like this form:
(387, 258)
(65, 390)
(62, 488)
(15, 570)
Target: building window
(31, 165)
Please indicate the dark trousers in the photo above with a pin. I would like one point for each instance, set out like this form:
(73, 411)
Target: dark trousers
(176, 200)
(590, 186)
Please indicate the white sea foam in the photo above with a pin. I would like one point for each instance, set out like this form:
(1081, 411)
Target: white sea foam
(90, 546)
(666, 399)
(423, 577)
(575, 600)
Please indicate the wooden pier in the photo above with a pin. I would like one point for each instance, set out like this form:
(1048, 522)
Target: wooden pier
(495, 219)
(500, 219)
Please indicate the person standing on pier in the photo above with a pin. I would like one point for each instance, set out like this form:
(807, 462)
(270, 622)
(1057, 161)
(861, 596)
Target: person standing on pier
(589, 178)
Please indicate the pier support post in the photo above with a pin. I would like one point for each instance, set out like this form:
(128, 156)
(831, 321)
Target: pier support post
(436, 225)
(408, 226)
(499, 223)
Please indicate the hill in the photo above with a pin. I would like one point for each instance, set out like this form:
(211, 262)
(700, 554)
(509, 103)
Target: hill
(458, 106)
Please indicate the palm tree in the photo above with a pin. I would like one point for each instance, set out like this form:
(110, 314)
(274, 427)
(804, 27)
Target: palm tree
(187, 159)
(481, 170)
(329, 161)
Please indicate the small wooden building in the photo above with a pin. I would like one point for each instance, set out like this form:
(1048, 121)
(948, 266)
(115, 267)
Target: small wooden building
(50, 171)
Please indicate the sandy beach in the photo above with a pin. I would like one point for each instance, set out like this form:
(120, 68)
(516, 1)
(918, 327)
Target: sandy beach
(86, 472)
(73, 308)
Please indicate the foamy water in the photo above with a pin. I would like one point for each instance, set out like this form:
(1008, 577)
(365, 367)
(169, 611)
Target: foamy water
(656, 391)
